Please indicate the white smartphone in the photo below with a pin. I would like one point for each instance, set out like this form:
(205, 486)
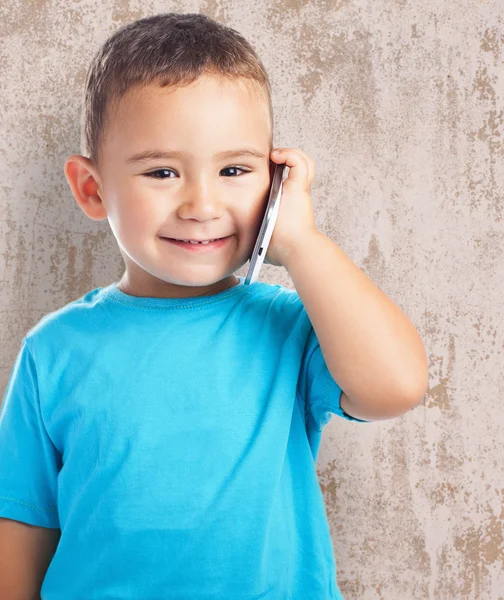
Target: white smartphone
(268, 223)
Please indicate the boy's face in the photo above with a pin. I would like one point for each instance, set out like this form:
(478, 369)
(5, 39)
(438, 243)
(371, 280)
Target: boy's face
(196, 196)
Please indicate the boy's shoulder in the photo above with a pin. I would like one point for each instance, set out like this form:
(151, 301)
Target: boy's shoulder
(261, 289)
(54, 322)
(276, 306)
(280, 298)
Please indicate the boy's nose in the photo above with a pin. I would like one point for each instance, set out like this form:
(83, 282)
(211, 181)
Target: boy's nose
(201, 206)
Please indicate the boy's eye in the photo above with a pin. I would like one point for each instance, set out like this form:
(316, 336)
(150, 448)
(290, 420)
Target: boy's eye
(236, 169)
(154, 176)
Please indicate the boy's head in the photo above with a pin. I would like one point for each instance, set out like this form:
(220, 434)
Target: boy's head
(176, 83)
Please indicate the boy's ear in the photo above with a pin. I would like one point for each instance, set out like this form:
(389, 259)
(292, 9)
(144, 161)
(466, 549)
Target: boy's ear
(83, 180)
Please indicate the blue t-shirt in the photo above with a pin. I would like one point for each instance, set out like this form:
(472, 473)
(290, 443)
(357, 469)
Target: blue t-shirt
(173, 441)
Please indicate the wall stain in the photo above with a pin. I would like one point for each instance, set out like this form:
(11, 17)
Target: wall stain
(122, 13)
(483, 84)
(343, 60)
(26, 18)
(484, 186)
(479, 547)
(492, 42)
(439, 394)
(215, 10)
(290, 9)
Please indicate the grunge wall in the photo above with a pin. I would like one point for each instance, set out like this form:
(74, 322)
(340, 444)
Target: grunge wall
(401, 105)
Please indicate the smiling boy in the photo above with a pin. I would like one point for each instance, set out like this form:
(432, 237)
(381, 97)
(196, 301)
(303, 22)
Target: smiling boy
(158, 436)
(195, 194)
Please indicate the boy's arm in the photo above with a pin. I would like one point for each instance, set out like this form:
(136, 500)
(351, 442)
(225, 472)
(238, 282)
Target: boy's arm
(25, 554)
(371, 348)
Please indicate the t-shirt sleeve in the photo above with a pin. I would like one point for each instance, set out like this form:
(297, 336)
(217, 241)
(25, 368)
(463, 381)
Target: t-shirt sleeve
(321, 393)
(29, 462)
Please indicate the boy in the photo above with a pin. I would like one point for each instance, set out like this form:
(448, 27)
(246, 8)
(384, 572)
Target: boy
(158, 436)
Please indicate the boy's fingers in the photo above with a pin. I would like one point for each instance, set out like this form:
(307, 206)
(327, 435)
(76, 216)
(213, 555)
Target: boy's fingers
(301, 166)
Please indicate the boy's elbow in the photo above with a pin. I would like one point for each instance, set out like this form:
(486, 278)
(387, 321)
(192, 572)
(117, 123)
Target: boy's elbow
(377, 409)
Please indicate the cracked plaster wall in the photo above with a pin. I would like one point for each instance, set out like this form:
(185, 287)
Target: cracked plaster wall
(401, 105)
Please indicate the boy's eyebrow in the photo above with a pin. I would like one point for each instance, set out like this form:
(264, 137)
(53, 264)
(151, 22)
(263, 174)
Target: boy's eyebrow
(146, 155)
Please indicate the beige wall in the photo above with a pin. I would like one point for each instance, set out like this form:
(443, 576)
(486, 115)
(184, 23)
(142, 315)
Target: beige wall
(400, 103)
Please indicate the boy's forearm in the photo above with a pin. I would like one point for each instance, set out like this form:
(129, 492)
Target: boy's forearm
(371, 348)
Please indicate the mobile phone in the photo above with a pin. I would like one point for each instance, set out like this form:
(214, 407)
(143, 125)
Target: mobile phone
(268, 223)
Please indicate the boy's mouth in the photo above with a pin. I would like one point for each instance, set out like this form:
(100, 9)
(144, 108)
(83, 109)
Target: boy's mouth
(199, 246)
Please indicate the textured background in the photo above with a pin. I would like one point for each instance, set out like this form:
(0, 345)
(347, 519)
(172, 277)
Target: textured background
(401, 105)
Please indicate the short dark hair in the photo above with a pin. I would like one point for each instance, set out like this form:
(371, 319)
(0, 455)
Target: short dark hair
(169, 49)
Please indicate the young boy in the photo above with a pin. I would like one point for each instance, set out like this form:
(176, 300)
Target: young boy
(158, 436)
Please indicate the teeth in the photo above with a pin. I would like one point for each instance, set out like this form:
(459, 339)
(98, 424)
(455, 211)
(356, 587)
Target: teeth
(193, 242)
